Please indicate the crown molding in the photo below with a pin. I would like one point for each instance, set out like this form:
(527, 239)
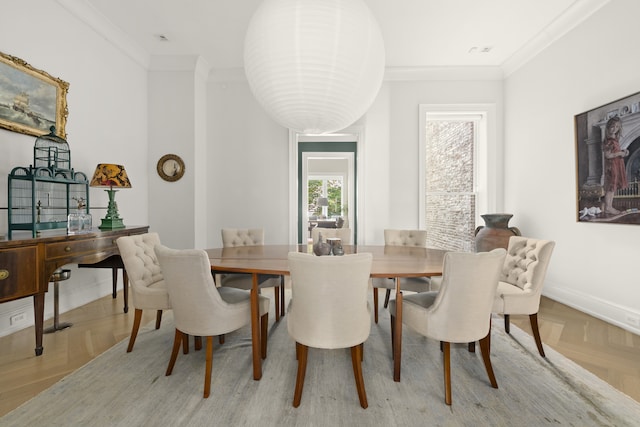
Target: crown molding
(573, 16)
(579, 11)
(86, 13)
(443, 73)
(390, 74)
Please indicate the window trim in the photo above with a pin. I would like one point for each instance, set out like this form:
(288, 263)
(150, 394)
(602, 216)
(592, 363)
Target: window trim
(488, 154)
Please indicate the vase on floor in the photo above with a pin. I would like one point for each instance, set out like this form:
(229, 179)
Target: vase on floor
(496, 232)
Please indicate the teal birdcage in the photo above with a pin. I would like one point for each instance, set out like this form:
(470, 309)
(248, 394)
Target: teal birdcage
(42, 196)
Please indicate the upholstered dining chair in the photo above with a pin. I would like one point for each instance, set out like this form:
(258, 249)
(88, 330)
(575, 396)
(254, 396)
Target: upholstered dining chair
(521, 282)
(461, 311)
(233, 237)
(148, 289)
(329, 310)
(412, 238)
(344, 234)
(202, 309)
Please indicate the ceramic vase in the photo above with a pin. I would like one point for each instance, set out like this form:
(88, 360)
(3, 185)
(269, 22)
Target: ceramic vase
(321, 247)
(496, 232)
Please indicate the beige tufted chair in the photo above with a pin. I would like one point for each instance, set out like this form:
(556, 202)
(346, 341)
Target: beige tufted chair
(234, 237)
(414, 238)
(344, 234)
(147, 284)
(461, 311)
(329, 309)
(202, 309)
(521, 281)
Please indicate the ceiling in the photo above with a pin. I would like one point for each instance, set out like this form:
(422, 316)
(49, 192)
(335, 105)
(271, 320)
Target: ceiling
(417, 33)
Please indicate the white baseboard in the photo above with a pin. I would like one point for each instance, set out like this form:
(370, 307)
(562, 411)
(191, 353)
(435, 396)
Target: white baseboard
(85, 285)
(618, 315)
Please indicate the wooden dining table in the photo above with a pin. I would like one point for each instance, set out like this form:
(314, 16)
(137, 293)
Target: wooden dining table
(388, 262)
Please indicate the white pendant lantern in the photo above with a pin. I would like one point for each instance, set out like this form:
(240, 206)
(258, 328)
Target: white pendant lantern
(314, 65)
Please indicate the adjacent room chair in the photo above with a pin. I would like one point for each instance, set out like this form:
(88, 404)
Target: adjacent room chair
(344, 234)
(412, 238)
(147, 285)
(521, 281)
(202, 309)
(329, 310)
(232, 237)
(461, 311)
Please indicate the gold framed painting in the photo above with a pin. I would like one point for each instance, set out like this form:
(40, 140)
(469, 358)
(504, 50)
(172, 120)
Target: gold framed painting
(31, 100)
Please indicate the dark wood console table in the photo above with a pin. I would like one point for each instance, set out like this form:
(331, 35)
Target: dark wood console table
(26, 264)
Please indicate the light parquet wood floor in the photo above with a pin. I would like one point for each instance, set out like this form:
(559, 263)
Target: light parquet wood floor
(611, 353)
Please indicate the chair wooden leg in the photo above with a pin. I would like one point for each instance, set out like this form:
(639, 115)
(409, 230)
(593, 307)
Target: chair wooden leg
(174, 352)
(472, 347)
(197, 343)
(185, 344)
(387, 295)
(302, 351)
(207, 369)
(221, 339)
(276, 291)
(506, 323)
(264, 323)
(533, 318)
(446, 348)
(485, 349)
(137, 318)
(158, 319)
(375, 305)
(356, 361)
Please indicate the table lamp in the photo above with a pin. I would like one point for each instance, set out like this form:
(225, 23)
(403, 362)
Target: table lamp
(110, 175)
(323, 202)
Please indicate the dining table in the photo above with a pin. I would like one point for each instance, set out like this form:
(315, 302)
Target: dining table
(395, 262)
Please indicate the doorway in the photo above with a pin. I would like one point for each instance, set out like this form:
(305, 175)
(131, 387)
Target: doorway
(326, 186)
(321, 154)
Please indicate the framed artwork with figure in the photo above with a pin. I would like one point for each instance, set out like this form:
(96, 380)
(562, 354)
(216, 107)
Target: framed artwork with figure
(608, 162)
(31, 100)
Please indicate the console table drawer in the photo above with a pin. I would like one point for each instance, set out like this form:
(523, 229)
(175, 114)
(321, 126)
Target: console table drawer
(74, 248)
(18, 273)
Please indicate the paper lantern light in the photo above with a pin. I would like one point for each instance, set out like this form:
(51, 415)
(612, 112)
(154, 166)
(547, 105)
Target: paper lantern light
(314, 65)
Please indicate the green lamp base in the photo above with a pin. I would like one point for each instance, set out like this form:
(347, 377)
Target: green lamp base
(111, 224)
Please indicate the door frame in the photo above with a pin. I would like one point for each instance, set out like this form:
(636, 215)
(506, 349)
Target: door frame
(323, 143)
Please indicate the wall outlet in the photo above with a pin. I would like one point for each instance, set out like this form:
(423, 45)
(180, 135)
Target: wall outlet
(18, 318)
(633, 320)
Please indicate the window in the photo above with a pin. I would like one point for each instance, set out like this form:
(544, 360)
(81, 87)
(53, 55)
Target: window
(453, 176)
(330, 188)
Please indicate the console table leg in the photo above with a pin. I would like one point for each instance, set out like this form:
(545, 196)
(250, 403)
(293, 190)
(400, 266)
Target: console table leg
(38, 311)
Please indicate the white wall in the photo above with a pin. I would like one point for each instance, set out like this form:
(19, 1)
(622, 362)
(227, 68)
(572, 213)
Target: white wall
(176, 106)
(594, 265)
(107, 122)
(247, 164)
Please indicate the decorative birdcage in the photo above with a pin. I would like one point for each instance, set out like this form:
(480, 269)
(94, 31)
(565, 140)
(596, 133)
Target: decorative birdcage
(42, 196)
(51, 151)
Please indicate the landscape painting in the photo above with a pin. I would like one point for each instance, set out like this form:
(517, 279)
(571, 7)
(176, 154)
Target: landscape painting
(31, 101)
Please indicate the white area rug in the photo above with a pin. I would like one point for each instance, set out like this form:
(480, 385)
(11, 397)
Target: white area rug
(120, 389)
